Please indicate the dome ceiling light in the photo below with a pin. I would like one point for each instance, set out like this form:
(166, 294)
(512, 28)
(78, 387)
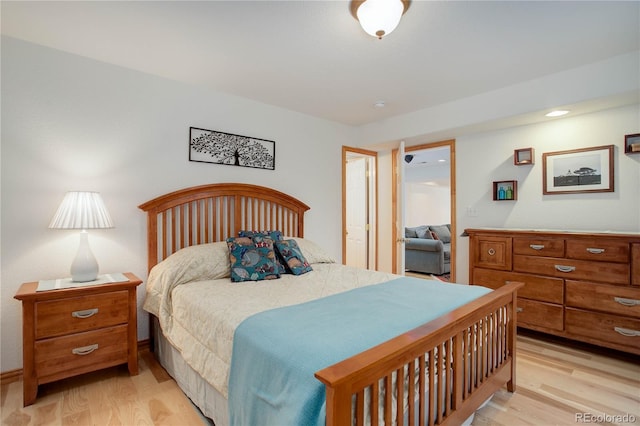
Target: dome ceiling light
(379, 17)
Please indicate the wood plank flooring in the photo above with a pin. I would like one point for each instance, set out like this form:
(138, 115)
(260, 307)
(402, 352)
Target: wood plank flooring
(558, 384)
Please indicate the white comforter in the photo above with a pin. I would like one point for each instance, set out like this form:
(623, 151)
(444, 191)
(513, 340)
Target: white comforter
(199, 311)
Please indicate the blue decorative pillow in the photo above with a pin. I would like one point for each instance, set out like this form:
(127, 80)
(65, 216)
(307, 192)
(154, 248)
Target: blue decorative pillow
(259, 237)
(275, 235)
(292, 256)
(251, 262)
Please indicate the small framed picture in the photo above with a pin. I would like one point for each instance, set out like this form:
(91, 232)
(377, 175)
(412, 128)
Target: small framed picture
(632, 144)
(578, 170)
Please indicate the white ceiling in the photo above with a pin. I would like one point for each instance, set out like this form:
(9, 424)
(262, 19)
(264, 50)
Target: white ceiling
(312, 56)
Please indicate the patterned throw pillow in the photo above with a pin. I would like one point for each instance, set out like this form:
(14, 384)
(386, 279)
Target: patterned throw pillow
(290, 253)
(442, 232)
(275, 235)
(250, 261)
(259, 236)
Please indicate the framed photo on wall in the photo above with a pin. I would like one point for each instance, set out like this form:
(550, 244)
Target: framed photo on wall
(578, 171)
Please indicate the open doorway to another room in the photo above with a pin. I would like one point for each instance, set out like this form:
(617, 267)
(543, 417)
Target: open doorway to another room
(359, 208)
(429, 192)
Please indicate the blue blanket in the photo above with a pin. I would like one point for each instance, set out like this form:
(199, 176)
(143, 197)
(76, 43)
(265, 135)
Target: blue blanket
(277, 352)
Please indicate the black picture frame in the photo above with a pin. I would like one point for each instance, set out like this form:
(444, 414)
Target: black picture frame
(211, 146)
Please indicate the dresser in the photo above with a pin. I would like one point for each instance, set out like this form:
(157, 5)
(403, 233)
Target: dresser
(578, 285)
(72, 331)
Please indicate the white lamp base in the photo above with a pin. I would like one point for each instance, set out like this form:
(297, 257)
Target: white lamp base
(85, 266)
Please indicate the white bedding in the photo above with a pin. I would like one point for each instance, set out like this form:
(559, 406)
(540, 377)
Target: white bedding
(199, 308)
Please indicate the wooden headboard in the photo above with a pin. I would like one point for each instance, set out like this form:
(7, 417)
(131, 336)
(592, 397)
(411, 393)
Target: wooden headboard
(210, 213)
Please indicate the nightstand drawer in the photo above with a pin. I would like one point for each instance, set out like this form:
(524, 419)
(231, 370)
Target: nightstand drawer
(599, 250)
(605, 298)
(65, 356)
(71, 315)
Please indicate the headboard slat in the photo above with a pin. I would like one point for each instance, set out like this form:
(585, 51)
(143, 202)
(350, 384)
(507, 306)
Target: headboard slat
(210, 213)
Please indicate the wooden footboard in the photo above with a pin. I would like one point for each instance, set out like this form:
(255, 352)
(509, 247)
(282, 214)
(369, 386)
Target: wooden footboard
(446, 368)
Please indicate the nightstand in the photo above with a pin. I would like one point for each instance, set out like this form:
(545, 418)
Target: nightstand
(72, 331)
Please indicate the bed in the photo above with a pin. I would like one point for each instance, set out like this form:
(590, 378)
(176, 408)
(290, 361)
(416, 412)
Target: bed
(438, 369)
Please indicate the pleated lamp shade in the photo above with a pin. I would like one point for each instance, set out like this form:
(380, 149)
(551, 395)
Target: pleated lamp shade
(81, 210)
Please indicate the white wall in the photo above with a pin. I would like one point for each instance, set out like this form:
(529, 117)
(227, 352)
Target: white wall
(427, 205)
(70, 123)
(484, 158)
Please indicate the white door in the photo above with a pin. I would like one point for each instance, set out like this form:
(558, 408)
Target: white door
(356, 212)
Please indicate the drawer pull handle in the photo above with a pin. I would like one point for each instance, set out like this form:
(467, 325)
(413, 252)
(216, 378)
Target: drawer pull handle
(84, 350)
(491, 252)
(536, 246)
(627, 332)
(593, 250)
(518, 310)
(564, 268)
(84, 314)
(627, 302)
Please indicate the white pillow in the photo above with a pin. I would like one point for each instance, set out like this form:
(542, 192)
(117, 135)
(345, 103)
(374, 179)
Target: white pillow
(313, 252)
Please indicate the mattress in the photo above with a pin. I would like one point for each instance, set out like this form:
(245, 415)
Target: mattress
(199, 316)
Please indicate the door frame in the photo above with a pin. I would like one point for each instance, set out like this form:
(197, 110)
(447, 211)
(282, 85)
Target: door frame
(373, 214)
(451, 143)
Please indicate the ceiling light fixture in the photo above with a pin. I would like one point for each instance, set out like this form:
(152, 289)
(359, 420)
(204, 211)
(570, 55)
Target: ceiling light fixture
(379, 17)
(557, 113)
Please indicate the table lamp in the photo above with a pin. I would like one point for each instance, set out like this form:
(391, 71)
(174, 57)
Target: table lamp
(82, 210)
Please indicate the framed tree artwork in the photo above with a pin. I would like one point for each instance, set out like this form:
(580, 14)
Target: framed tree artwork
(578, 170)
(210, 146)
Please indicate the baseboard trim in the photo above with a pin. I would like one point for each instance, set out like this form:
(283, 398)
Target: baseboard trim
(11, 376)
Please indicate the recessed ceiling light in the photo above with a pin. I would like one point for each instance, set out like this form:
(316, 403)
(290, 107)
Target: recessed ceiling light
(557, 113)
(442, 160)
(379, 104)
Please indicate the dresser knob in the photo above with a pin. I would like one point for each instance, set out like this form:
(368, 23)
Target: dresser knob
(627, 302)
(564, 268)
(84, 350)
(491, 252)
(518, 310)
(627, 332)
(84, 314)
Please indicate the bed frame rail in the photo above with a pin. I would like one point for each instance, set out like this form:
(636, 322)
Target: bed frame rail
(438, 373)
(211, 213)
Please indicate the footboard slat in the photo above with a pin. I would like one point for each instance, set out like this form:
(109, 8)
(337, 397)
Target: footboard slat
(440, 372)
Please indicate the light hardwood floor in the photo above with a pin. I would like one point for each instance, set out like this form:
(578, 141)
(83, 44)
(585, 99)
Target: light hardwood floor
(556, 382)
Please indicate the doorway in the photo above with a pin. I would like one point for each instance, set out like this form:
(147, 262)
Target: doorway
(431, 171)
(359, 208)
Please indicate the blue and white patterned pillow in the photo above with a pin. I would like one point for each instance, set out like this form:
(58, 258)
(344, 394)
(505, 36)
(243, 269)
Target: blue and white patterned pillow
(250, 261)
(291, 255)
(259, 237)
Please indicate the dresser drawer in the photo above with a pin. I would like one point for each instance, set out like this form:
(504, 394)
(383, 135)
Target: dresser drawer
(599, 250)
(71, 315)
(492, 252)
(544, 289)
(64, 356)
(604, 327)
(609, 272)
(539, 246)
(540, 314)
(606, 298)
